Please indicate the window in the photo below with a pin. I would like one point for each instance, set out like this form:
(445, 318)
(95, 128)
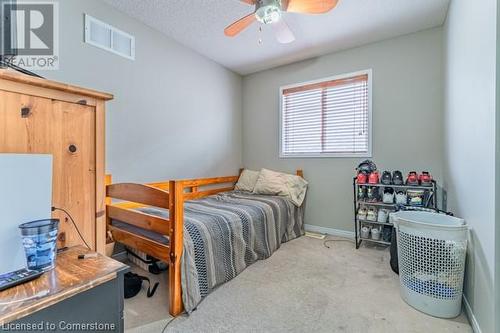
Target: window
(106, 37)
(327, 118)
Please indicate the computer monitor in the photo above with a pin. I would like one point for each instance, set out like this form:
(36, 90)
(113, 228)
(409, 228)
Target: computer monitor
(25, 195)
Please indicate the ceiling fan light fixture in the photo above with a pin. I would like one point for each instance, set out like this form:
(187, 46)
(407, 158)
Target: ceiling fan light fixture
(268, 14)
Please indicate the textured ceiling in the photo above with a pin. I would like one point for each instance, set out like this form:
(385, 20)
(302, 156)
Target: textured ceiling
(199, 24)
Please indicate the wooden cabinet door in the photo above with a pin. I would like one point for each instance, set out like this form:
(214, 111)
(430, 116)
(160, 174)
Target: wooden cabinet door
(27, 124)
(67, 131)
(74, 184)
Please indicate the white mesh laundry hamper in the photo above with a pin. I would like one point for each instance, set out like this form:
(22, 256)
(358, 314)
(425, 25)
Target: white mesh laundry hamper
(431, 252)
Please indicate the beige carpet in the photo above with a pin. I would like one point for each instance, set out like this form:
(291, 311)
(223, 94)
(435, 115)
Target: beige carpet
(303, 287)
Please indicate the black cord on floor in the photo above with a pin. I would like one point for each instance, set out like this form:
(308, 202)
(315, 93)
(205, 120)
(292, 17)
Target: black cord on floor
(171, 321)
(74, 224)
(325, 242)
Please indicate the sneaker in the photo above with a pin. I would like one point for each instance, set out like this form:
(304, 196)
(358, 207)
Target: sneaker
(371, 214)
(386, 234)
(401, 198)
(382, 216)
(386, 178)
(388, 196)
(362, 214)
(361, 193)
(375, 233)
(374, 177)
(412, 178)
(365, 232)
(425, 179)
(361, 178)
(397, 178)
(372, 194)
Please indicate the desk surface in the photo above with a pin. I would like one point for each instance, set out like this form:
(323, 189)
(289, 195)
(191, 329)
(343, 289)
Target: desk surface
(70, 277)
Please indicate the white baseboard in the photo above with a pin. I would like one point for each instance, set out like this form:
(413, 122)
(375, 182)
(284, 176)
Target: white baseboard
(471, 316)
(329, 231)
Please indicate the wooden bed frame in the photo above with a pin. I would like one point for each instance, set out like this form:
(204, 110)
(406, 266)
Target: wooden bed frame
(169, 195)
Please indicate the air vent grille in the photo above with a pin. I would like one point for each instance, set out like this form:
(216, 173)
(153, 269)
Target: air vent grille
(109, 38)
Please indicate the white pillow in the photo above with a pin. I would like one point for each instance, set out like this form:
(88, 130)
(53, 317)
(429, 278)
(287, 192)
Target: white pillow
(247, 180)
(277, 183)
(271, 183)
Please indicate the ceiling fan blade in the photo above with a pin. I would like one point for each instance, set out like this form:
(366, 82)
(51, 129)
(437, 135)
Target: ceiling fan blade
(239, 25)
(309, 6)
(283, 33)
(250, 2)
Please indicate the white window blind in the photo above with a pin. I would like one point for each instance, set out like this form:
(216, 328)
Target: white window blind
(327, 118)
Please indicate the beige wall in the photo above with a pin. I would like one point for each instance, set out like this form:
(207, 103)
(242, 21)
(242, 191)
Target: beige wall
(470, 97)
(407, 113)
(176, 114)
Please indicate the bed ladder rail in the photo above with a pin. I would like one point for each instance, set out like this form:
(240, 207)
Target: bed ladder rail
(193, 186)
(138, 193)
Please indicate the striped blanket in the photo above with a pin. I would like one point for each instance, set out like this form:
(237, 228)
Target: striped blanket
(225, 233)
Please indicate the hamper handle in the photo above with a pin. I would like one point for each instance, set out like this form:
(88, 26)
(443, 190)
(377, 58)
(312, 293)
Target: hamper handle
(422, 209)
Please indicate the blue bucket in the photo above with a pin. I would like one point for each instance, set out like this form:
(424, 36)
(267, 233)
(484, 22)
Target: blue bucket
(39, 241)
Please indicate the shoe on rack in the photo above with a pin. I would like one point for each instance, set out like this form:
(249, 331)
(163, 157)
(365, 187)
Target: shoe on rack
(372, 194)
(362, 214)
(416, 197)
(361, 178)
(361, 193)
(386, 178)
(366, 167)
(371, 214)
(397, 178)
(401, 198)
(386, 234)
(412, 178)
(388, 196)
(373, 178)
(425, 179)
(382, 216)
(365, 232)
(376, 233)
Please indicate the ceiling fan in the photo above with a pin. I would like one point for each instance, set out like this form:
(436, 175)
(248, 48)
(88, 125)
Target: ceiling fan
(271, 12)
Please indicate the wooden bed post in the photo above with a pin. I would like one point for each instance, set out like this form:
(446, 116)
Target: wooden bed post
(108, 180)
(300, 173)
(176, 217)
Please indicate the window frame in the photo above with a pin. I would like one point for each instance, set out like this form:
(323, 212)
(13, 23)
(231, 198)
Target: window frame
(367, 154)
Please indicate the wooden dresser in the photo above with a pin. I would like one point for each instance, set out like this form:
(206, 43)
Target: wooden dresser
(47, 117)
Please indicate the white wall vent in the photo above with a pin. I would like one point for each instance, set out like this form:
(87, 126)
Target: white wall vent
(109, 38)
